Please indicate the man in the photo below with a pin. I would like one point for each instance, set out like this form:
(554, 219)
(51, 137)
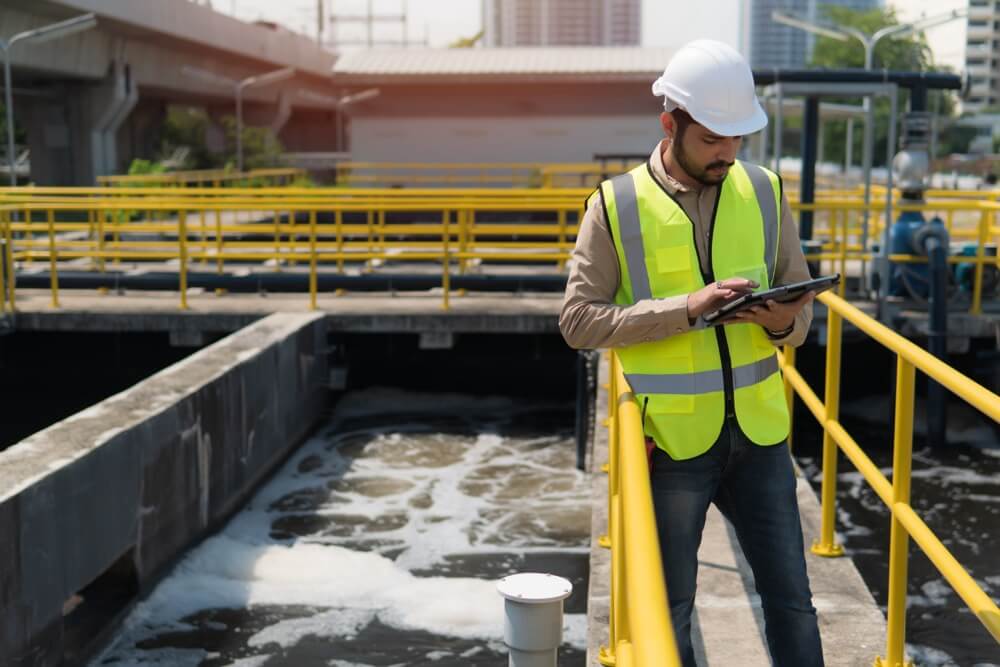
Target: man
(659, 247)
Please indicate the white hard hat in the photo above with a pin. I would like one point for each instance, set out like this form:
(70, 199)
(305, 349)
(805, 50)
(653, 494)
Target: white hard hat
(713, 83)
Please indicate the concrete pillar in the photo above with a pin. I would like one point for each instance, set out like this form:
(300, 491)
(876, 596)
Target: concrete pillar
(50, 134)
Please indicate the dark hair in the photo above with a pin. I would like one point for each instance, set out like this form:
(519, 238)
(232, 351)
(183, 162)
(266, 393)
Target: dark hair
(683, 120)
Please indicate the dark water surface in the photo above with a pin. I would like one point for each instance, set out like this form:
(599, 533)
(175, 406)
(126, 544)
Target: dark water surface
(379, 543)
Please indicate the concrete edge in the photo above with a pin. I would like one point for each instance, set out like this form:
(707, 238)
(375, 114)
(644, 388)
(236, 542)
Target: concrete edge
(123, 488)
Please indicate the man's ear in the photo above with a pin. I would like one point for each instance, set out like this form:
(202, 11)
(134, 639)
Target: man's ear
(669, 124)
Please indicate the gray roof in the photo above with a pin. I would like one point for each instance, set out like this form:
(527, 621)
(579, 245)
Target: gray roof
(520, 62)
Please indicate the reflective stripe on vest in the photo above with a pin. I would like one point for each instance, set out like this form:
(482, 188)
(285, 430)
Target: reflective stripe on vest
(704, 382)
(769, 210)
(628, 216)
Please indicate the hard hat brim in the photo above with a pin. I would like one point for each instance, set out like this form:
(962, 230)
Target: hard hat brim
(755, 123)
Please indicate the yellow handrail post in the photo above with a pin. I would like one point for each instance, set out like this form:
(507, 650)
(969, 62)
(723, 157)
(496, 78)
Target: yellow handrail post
(461, 240)
(826, 545)
(788, 352)
(561, 264)
(381, 231)
(53, 269)
(11, 277)
(3, 261)
(204, 235)
(899, 539)
(182, 243)
(100, 240)
(277, 240)
(842, 288)
(312, 260)
(338, 222)
(445, 260)
(218, 240)
(977, 289)
(292, 242)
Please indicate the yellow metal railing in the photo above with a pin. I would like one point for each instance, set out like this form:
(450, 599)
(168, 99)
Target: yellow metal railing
(639, 628)
(284, 232)
(114, 214)
(895, 494)
(215, 177)
(511, 174)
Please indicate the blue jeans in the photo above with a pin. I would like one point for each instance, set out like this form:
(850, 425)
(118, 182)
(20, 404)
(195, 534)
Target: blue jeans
(754, 488)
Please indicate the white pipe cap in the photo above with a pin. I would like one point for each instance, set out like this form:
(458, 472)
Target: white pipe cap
(534, 588)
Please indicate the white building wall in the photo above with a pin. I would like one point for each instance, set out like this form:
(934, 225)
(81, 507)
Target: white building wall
(501, 139)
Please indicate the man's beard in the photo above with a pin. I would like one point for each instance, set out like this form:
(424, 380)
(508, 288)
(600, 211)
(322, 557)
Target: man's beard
(699, 174)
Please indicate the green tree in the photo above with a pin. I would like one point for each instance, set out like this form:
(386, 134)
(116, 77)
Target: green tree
(261, 148)
(186, 127)
(904, 53)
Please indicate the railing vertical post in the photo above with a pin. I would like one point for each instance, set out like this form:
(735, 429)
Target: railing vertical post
(607, 654)
(826, 545)
(338, 223)
(9, 252)
(462, 225)
(446, 258)
(204, 234)
(977, 289)
(3, 261)
(788, 352)
(899, 539)
(53, 259)
(100, 239)
(842, 288)
(182, 244)
(312, 260)
(277, 240)
(562, 237)
(218, 240)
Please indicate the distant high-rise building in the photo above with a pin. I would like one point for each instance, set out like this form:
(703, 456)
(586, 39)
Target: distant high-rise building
(561, 22)
(982, 57)
(775, 45)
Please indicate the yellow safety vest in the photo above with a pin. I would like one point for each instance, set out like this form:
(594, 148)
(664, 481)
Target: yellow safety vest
(682, 381)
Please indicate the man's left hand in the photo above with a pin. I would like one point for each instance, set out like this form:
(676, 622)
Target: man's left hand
(772, 315)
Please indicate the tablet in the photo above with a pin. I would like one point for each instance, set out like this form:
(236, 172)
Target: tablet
(783, 293)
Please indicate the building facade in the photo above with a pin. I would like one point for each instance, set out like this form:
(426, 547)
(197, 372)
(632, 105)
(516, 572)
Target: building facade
(982, 55)
(772, 44)
(561, 22)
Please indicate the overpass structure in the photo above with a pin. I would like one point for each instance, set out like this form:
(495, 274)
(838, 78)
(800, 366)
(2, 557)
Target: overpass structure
(93, 101)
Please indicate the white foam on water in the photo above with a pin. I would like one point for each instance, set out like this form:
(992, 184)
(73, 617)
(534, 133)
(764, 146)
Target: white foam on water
(416, 495)
(926, 656)
(336, 622)
(252, 661)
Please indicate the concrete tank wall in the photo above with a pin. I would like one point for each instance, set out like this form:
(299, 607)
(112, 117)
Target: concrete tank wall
(148, 471)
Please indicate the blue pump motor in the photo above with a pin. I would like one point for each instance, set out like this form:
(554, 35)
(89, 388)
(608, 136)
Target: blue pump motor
(907, 237)
(965, 274)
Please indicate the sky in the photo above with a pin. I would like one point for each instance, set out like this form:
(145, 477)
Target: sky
(664, 22)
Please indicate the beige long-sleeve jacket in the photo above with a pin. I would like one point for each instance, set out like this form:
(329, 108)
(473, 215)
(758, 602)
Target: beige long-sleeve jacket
(590, 318)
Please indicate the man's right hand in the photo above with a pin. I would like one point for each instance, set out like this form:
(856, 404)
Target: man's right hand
(712, 297)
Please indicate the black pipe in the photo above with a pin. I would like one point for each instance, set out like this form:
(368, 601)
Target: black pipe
(937, 339)
(807, 186)
(918, 98)
(928, 80)
(294, 282)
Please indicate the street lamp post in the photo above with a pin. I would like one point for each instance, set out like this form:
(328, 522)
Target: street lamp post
(238, 87)
(36, 36)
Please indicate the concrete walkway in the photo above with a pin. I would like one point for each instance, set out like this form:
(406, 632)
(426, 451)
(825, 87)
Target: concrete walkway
(728, 626)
